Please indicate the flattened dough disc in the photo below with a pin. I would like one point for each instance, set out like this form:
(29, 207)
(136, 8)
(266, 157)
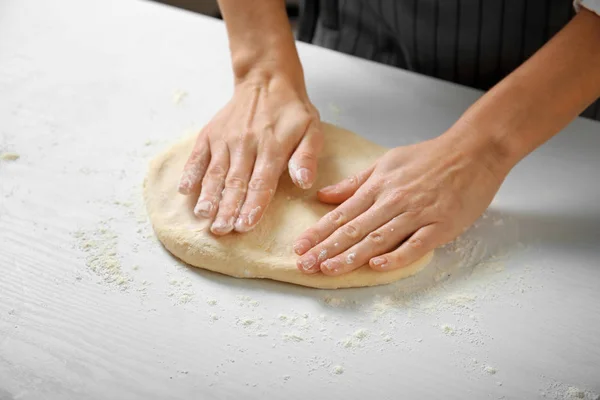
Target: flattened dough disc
(265, 252)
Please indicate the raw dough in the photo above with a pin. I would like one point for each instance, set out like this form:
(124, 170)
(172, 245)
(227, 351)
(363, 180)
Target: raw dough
(265, 252)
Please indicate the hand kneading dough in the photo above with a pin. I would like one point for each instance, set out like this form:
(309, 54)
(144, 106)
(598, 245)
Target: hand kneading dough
(265, 252)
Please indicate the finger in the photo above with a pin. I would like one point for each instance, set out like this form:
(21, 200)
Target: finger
(330, 223)
(418, 245)
(303, 163)
(234, 192)
(212, 184)
(379, 241)
(195, 167)
(262, 186)
(339, 192)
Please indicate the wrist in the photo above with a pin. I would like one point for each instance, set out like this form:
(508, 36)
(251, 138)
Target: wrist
(263, 69)
(489, 148)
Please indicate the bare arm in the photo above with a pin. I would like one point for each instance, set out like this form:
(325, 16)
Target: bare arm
(539, 98)
(268, 124)
(419, 197)
(261, 39)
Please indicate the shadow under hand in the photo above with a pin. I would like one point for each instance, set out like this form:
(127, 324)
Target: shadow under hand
(497, 235)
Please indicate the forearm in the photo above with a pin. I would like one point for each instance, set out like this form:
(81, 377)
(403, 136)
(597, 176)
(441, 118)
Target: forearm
(541, 97)
(260, 39)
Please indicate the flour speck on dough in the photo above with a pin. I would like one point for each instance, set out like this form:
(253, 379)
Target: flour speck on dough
(350, 258)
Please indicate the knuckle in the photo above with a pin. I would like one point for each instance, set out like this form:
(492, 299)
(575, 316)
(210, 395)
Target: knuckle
(409, 215)
(416, 243)
(215, 172)
(377, 184)
(396, 196)
(372, 190)
(350, 231)
(307, 157)
(375, 237)
(235, 183)
(337, 217)
(419, 201)
(247, 136)
(259, 185)
(268, 128)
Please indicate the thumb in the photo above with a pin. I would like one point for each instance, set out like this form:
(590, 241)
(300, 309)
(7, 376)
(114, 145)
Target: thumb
(343, 190)
(303, 163)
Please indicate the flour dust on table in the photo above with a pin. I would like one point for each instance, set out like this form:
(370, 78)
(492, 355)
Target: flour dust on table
(265, 252)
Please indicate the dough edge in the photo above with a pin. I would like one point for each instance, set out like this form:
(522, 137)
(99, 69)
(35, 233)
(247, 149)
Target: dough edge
(219, 259)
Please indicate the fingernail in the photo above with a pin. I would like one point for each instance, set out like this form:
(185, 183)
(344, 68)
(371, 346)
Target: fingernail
(328, 189)
(222, 226)
(184, 186)
(378, 261)
(240, 224)
(303, 178)
(187, 181)
(301, 246)
(203, 208)
(307, 262)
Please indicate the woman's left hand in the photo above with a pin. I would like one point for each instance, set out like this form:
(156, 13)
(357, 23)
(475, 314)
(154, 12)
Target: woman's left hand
(412, 200)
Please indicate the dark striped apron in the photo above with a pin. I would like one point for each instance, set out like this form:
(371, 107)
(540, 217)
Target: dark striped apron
(471, 42)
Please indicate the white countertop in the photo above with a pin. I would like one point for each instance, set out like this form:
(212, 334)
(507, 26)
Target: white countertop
(87, 90)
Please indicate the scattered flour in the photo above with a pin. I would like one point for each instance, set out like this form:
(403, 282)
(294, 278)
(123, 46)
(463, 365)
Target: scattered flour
(100, 248)
(334, 301)
(490, 370)
(180, 290)
(179, 96)
(335, 111)
(561, 391)
(361, 334)
(293, 337)
(447, 329)
(246, 321)
(575, 393)
(337, 370)
(355, 340)
(9, 156)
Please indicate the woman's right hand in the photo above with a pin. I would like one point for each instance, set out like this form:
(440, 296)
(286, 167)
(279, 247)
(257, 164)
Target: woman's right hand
(239, 156)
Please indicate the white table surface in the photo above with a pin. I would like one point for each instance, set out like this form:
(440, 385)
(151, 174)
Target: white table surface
(511, 310)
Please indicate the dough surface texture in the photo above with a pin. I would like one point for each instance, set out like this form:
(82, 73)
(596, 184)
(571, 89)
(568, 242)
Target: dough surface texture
(266, 251)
